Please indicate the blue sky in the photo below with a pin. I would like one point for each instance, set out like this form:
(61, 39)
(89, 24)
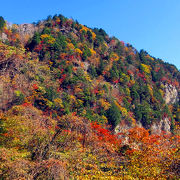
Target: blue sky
(152, 25)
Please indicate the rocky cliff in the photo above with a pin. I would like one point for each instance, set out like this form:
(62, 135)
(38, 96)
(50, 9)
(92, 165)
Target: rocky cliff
(170, 94)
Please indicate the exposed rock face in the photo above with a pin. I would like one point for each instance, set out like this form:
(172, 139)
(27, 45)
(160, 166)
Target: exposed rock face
(171, 94)
(163, 125)
(27, 29)
(156, 128)
(3, 37)
(123, 128)
(170, 97)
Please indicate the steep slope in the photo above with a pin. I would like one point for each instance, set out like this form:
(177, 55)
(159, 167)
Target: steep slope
(101, 74)
(62, 83)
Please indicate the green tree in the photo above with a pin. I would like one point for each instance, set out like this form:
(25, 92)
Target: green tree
(142, 56)
(114, 115)
(34, 41)
(143, 113)
(89, 34)
(92, 71)
(2, 23)
(134, 94)
(86, 53)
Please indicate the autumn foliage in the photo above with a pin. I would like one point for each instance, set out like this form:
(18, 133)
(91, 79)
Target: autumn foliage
(78, 104)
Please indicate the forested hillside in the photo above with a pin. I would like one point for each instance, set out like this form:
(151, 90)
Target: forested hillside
(78, 104)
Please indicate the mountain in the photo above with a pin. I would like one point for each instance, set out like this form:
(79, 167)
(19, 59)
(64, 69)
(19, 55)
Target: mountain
(78, 104)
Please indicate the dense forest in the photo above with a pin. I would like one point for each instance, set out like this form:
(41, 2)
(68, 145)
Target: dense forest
(78, 104)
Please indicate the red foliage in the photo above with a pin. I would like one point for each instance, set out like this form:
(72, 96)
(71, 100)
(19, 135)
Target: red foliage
(67, 131)
(74, 113)
(104, 72)
(96, 91)
(63, 56)
(26, 104)
(165, 115)
(157, 69)
(116, 81)
(63, 78)
(141, 75)
(68, 23)
(5, 134)
(130, 72)
(130, 151)
(71, 57)
(38, 48)
(129, 84)
(35, 87)
(138, 134)
(112, 43)
(104, 134)
(62, 70)
(175, 83)
(166, 79)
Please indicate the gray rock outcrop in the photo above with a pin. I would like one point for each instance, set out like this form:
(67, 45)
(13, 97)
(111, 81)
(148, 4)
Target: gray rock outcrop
(171, 94)
(26, 29)
(159, 127)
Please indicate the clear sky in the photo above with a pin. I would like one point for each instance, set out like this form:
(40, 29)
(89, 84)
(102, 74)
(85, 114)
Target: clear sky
(152, 25)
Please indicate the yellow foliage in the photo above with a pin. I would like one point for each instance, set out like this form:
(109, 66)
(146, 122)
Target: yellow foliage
(22, 125)
(149, 57)
(58, 102)
(44, 36)
(124, 76)
(7, 51)
(126, 49)
(162, 92)
(88, 77)
(78, 51)
(133, 121)
(122, 109)
(49, 103)
(105, 120)
(132, 82)
(92, 51)
(77, 89)
(15, 26)
(58, 20)
(93, 35)
(101, 92)
(49, 38)
(105, 44)
(87, 29)
(45, 69)
(103, 103)
(73, 98)
(80, 102)
(84, 28)
(128, 91)
(147, 68)
(70, 46)
(150, 90)
(114, 57)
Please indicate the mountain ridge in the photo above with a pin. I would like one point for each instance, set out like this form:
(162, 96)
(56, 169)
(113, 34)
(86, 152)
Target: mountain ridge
(69, 88)
(110, 43)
